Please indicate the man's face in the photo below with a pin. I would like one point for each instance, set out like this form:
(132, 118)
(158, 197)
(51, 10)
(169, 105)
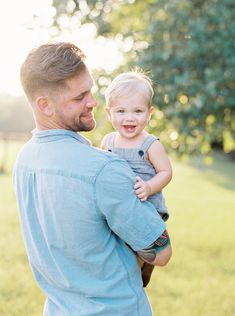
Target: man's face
(73, 107)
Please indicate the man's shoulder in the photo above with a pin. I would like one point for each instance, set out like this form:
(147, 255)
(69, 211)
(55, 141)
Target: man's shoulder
(84, 157)
(105, 156)
(68, 158)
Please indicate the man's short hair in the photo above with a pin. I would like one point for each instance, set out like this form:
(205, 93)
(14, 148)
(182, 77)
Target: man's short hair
(48, 66)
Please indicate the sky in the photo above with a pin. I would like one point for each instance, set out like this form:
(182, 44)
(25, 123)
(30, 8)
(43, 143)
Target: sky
(17, 39)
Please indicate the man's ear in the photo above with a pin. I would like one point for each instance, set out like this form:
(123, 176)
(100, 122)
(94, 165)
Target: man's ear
(43, 105)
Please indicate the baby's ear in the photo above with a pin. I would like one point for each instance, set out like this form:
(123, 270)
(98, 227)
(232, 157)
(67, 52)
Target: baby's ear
(151, 110)
(108, 112)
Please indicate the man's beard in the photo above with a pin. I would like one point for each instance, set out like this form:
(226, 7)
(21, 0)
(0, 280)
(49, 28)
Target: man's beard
(84, 126)
(79, 124)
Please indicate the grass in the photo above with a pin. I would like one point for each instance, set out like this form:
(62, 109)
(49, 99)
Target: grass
(199, 280)
(201, 275)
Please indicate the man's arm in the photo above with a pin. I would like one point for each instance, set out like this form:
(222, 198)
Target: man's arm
(137, 223)
(159, 252)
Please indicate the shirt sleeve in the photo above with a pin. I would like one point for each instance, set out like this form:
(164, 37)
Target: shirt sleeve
(136, 222)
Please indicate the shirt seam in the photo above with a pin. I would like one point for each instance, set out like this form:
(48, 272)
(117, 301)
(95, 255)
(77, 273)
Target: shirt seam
(129, 282)
(59, 173)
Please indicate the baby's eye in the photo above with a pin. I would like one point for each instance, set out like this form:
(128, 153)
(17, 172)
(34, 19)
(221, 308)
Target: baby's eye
(120, 111)
(139, 111)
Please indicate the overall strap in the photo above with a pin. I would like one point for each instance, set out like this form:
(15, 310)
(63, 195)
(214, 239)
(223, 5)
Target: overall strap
(146, 144)
(110, 141)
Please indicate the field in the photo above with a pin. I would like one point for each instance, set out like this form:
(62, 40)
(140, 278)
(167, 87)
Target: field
(199, 280)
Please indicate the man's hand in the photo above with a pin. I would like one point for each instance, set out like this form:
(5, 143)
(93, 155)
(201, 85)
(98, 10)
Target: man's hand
(142, 189)
(159, 252)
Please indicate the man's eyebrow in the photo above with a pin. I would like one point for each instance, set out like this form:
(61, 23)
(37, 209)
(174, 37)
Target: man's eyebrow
(81, 94)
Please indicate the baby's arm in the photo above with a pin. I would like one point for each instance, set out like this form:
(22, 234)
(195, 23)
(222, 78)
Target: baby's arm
(104, 142)
(159, 159)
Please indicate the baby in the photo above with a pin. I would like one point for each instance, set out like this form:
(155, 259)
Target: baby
(128, 104)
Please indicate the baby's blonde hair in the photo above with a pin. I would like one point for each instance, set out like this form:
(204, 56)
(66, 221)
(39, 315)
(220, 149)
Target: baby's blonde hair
(129, 83)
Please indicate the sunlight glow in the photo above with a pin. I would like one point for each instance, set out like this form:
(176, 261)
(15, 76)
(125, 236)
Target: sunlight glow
(18, 38)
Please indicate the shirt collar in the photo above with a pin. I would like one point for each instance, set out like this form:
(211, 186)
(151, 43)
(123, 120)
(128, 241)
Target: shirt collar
(53, 134)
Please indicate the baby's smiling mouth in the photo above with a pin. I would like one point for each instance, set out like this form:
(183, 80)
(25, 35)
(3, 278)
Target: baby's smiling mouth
(129, 128)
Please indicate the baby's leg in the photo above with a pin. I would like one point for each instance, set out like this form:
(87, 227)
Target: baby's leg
(146, 270)
(140, 261)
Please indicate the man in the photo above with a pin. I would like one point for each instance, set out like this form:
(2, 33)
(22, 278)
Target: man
(77, 204)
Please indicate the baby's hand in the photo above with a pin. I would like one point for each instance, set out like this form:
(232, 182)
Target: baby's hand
(142, 189)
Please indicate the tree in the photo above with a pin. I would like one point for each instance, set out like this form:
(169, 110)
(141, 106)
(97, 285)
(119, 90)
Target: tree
(188, 47)
(191, 56)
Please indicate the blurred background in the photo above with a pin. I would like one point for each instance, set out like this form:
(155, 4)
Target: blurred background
(188, 50)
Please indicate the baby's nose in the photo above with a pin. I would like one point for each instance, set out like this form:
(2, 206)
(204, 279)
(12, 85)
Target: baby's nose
(129, 117)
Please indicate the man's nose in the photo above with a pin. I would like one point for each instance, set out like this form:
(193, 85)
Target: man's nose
(91, 102)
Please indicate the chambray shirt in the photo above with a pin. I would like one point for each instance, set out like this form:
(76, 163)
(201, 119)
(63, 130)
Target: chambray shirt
(79, 213)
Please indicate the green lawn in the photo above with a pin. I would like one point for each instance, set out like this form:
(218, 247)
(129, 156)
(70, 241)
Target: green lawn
(199, 280)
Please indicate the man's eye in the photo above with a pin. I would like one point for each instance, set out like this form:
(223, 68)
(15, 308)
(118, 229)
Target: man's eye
(79, 98)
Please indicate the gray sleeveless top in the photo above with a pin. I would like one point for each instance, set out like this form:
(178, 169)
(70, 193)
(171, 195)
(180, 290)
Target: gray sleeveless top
(137, 159)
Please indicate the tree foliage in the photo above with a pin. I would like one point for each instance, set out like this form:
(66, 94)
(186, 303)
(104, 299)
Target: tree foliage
(188, 49)
(191, 56)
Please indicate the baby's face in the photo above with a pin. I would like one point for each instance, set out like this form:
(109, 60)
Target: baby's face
(129, 115)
